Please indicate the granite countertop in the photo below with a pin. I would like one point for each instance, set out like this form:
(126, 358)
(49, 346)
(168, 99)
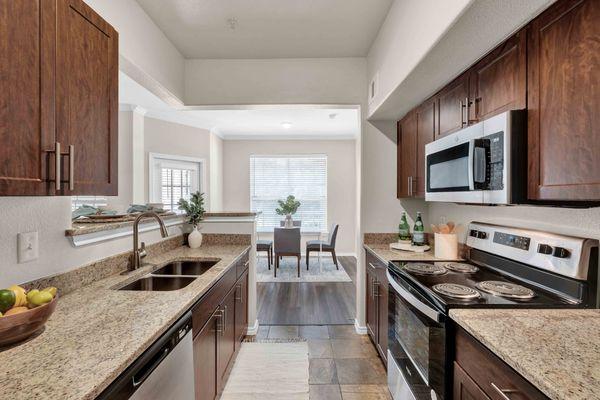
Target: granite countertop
(96, 331)
(558, 351)
(383, 252)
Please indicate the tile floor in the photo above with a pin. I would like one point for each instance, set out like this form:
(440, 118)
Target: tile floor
(342, 364)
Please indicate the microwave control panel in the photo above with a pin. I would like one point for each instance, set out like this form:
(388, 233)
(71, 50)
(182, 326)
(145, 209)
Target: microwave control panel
(496, 160)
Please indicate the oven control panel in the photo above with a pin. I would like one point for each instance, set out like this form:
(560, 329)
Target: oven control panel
(516, 241)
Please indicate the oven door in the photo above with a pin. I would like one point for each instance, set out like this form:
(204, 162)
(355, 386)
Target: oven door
(417, 363)
(456, 167)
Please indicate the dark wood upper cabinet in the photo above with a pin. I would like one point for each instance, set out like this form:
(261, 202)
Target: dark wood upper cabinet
(26, 98)
(426, 128)
(452, 101)
(59, 75)
(497, 83)
(564, 102)
(407, 156)
(87, 98)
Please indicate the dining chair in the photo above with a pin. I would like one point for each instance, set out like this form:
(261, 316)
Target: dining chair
(286, 243)
(326, 246)
(266, 245)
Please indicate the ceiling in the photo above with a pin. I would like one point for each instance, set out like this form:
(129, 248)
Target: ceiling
(253, 123)
(269, 28)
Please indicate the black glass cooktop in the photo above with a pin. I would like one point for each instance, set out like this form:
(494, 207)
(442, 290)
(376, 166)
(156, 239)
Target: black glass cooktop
(528, 295)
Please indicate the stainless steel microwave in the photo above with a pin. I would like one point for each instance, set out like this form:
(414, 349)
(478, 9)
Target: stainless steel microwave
(485, 163)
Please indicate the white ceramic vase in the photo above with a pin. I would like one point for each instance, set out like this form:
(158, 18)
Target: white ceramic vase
(289, 223)
(195, 238)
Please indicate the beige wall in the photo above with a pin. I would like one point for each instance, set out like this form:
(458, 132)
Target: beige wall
(174, 139)
(341, 179)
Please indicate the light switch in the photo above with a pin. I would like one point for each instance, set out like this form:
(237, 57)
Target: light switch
(27, 244)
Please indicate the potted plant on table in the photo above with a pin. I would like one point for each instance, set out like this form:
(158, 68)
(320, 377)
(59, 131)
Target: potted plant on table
(288, 208)
(194, 209)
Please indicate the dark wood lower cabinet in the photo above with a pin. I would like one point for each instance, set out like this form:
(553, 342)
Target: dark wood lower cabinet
(377, 304)
(480, 374)
(465, 388)
(205, 358)
(218, 335)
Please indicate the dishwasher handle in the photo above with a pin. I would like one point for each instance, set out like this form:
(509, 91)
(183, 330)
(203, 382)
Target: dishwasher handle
(147, 369)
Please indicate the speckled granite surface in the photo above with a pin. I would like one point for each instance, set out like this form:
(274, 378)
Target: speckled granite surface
(556, 350)
(96, 332)
(383, 252)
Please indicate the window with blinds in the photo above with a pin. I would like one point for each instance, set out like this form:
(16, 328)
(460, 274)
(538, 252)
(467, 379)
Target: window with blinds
(275, 177)
(174, 178)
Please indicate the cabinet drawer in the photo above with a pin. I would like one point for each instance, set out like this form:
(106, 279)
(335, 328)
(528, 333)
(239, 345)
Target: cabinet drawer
(204, 308)
(490, 373)
(243, 263)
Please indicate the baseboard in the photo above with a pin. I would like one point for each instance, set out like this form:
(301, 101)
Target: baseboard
(252, 330)
(361, 330)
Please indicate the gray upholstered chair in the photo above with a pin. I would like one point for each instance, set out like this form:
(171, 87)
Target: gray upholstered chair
(266, 245)
(286, 243)
(297, 224)
(327, 246)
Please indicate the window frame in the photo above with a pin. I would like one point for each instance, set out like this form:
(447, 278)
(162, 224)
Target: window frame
(154, 184)
(303, 229)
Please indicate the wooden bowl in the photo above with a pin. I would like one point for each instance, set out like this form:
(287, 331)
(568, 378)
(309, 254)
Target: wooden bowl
(18, 327)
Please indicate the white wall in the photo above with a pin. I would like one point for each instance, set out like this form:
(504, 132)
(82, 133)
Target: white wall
(341, 182)
(179, 140)
(275, 81)
(142, 45)
(216, 173)
(569, 221)
(410, 30)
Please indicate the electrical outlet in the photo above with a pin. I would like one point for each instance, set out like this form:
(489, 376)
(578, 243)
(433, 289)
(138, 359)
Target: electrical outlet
(27, 244)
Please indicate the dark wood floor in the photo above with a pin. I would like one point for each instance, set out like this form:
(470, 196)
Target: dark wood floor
(331, 303)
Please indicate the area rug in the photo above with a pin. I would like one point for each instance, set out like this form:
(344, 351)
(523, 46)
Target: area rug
(269, 371)
(288, 271)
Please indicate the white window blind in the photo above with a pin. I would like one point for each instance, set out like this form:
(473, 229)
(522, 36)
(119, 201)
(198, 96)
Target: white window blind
(173, 179)
(275, 177)
(94, 201)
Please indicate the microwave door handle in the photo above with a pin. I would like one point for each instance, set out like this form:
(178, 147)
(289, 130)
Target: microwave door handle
(471, 162)
(413, 301)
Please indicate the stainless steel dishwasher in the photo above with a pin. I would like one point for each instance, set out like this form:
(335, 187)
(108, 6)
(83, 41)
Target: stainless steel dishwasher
(165, 371)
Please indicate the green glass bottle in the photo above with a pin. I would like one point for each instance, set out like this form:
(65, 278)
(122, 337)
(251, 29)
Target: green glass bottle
(418, 238)
(403, 228)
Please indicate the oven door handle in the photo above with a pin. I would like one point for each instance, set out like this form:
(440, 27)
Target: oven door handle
(412, 300)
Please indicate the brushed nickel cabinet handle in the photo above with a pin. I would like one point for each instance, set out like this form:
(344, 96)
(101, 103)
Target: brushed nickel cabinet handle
(224, 321)
(410, 186)
(462, 113)
(372, 266)
(219, 316)
(57, 164)
(71, 167)
(503, 392)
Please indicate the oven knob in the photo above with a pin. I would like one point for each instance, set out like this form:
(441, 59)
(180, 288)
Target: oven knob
(481, 235)
(473, 233)
(561, 252)
(544, 249)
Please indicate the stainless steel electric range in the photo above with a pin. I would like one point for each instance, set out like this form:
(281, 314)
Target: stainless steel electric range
(506, 267)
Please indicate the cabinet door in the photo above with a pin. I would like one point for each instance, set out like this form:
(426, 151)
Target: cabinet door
(452, 106)
(407, 147)
(205, 359)
(87, 98)
(241, 309)
(425, 134)
(465, 388)
(227, 339)
(382, 311)
(563, 102)
(26, 97)
(371, 303)
(497, 82)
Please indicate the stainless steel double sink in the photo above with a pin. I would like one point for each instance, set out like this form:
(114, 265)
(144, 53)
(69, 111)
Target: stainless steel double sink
(173, 276)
